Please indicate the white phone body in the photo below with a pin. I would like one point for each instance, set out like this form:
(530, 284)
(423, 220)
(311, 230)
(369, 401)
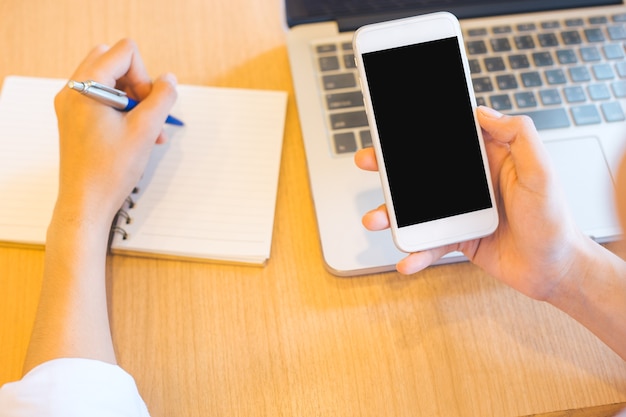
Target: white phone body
(429, 147)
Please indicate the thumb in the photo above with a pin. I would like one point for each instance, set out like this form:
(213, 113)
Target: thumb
(518, 133)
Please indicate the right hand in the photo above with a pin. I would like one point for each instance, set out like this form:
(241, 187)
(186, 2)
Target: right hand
(104, 151)
(537, 241)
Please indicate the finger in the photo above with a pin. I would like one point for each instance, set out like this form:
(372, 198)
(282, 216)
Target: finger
(128, 69)
(162, 139)
(366, 159)
(91, 57)
(376, 219)
(119, 66)
(418, 261)
(519, 134)
(150, 114)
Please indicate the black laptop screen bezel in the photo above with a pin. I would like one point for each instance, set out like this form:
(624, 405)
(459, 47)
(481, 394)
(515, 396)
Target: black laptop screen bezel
(348, 18)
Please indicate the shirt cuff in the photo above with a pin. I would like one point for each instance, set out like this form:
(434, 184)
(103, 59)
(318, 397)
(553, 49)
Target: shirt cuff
(73, 387)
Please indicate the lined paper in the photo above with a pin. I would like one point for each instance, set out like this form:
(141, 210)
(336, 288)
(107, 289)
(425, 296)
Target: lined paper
(29, 154)
(210, 192)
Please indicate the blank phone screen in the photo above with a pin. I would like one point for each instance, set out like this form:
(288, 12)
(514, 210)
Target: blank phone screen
(426, 127)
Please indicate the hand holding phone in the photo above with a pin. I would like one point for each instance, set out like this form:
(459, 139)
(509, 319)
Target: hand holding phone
(429, 147)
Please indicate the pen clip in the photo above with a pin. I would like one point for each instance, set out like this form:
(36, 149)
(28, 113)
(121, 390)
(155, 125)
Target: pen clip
(93, 84)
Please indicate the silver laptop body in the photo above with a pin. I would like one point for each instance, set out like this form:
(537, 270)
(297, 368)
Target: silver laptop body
(564, 67)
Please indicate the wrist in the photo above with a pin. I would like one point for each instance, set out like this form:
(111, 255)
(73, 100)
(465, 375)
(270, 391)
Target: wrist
(568, 291)
(86, 224)
(594, 293)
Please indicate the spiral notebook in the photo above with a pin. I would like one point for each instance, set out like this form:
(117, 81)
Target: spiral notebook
(208, 194)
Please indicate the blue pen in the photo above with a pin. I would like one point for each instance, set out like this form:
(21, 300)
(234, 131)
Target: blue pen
(111, 96)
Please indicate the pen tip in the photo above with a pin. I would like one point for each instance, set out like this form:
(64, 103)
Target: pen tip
(174, 121)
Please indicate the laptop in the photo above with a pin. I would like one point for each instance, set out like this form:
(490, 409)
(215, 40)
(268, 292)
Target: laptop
(562, 62)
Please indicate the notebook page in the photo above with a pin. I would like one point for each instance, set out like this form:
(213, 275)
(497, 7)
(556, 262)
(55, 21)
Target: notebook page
(210, 192)
(28, 158)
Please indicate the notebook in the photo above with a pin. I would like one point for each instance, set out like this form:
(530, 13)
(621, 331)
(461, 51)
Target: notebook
(208, 194)
(559, 61)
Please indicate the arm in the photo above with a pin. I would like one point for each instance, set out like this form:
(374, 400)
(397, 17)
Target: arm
(103, 153)
(537, 248)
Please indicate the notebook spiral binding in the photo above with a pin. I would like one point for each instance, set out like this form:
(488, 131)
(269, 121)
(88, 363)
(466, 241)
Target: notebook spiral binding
(121, 231)
(127, 219)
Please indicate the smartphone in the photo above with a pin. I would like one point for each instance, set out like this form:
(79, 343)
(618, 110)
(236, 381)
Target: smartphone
(429, 147)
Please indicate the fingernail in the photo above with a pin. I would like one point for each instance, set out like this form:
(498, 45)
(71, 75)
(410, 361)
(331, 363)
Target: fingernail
(489, 112)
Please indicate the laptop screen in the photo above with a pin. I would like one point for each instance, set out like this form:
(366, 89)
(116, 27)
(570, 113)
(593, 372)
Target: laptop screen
(351, 14)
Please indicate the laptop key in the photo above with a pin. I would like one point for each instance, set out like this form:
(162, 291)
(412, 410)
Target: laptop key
(547, 40)
(525, 99)
(603, 72)
(566, 56)
(598, 92)
(594, 35)
(348, 61)
(328, 63)
(501, 102)
(498, 30)
(476, 47)
(598, 20)
(551, 24)
(590, 54)
(619, 89)
(550, 97)
(524, 42)
(579, 74)
(549, 119)
(531, 79)
(556, 76)
(348, 120)
(506, 82)
(344, 100)
(575, 94)
(494, 64)
(500, 44)
(526, 27)
(482, 84)
(574, 22)
(586, 115)
(542, 59)
(366, 138)
(477, 32)
(571, 37)
(518, 61)
(475, 66)
(620, 17)
(345, 143)
(613, 51)
(617, 33)
(336, 81)
(620, 67)
(612, 112)
(322, 49)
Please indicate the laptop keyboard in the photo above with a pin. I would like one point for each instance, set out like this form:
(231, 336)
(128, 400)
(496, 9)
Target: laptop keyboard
(560, 73)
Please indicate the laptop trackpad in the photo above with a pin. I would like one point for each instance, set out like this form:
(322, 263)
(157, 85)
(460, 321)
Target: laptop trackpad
(587, 182)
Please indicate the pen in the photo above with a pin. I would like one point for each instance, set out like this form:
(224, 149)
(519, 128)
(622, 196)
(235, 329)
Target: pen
(111, 96)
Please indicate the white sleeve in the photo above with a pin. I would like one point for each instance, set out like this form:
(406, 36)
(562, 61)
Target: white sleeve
(73, 387)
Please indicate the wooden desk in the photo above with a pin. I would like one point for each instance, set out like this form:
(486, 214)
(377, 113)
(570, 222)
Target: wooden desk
(290, 339)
